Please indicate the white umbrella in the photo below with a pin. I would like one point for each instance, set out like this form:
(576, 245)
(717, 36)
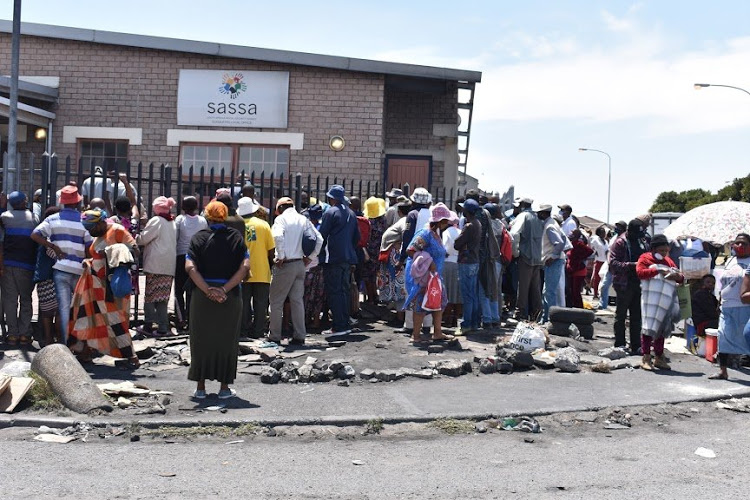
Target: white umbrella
(716, 222)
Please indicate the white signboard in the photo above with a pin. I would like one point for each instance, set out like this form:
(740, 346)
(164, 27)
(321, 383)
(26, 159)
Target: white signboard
(258, 99)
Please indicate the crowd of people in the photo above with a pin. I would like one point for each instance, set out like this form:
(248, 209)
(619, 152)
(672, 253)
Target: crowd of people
(236, 274)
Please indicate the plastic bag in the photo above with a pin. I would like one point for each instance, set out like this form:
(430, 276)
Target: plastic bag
(527, 337)
(120, 282)
(433, 296)
(686, 306)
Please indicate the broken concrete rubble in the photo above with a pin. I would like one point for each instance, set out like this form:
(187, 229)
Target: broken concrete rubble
(567, 360)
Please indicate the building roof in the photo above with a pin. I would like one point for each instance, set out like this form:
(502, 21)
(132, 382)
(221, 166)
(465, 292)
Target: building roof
(241, 52)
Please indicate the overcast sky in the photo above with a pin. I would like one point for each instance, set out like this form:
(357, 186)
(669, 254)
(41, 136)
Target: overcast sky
(557, 75)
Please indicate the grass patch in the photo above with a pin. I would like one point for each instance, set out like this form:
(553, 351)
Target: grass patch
(453, 426)
(41, 396)
(374, 426)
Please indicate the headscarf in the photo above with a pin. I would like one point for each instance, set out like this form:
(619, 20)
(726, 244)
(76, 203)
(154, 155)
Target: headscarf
(91, 218)
(163, 205)
(216, 211)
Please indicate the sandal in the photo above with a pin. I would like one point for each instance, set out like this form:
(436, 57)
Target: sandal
(25, 340)
(718, 376)
(444, 338)
(11, 340)
(129, 364)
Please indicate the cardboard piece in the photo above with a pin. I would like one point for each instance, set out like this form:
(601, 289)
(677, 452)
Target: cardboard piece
(4, 382)
(15, 392)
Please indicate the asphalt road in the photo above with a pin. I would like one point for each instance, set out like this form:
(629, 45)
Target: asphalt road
(574, 457)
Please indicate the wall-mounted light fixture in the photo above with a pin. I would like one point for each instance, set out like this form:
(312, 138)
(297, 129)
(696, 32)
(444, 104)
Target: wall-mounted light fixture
(40, 134)
(336, 143)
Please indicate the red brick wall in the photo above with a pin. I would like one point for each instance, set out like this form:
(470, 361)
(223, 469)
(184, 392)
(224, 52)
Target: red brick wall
(114, 86)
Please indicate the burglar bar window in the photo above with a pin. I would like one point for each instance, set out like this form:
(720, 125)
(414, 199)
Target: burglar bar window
(264, 159)
(216, 157)
(106, 154)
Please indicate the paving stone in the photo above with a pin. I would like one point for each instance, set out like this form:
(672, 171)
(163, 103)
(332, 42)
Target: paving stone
(487, 366)
(613, 353)
(435, 349)
(426, 373)
(367, 373)
(389, 375)
(305, 372)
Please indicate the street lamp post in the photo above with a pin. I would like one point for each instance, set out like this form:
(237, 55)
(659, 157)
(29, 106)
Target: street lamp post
(609, 176)
(699, 86)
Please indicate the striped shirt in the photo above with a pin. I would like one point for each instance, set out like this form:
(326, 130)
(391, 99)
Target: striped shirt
(65, 230)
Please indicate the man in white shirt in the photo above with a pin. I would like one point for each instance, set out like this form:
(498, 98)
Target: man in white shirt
(569, 224)
(601, 249)
(289, 269)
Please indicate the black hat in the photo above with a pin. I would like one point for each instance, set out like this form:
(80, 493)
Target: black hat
(659, 240)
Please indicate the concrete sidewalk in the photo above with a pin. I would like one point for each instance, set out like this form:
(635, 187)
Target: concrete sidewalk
(470, 396)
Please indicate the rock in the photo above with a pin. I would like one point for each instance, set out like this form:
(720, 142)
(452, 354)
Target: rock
(389, 375)
(310, 360)
(343, 383)
(435, 349)
(426, 373)
(319, 376)
(268, 355)
(123, 403)
(504, 366)
(270, 375)
(567, 360)
(625, 363)
(613, 353)
(305, 373)
(277, 364)
(67, 378)
(336, 365)
(454, 367)
(367, 373)
(560, 343)
(166, 400)
(602, 367)
(380, 345)
(544, 360)
(487, 366)
(590, 359)
(321, 365)
(521, 359)
(346, 372)
(480, 427)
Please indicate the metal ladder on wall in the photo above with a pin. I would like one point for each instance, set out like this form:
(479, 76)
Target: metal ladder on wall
(464, 126)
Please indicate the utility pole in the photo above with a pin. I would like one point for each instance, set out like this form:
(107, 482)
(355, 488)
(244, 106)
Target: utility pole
(13, 115)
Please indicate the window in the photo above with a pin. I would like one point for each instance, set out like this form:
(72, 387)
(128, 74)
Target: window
(258, 159)
(107, 154)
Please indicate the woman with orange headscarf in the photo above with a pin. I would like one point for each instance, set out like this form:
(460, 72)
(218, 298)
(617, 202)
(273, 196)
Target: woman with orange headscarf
(216, 263)
(159, 239)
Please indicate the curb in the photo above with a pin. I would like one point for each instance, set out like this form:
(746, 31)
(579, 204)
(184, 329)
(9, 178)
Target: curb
(337, 421)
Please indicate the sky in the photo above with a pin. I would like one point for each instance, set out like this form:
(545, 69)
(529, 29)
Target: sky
(557, 75)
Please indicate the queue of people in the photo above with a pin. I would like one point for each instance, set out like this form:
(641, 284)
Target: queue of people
(232, 275)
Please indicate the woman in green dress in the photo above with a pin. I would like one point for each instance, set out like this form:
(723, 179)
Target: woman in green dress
(216, 263)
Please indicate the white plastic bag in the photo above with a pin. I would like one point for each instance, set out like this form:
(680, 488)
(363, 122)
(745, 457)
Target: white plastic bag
(527, 337)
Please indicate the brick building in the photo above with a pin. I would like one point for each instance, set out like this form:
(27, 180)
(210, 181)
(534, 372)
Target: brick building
(106, 98)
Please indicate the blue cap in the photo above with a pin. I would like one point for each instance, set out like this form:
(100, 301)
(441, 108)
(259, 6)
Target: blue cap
(16, 198)
(470, 205)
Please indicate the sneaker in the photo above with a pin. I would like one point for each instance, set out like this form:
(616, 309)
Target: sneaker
(199, 394)
(227, 394)
(331, 333)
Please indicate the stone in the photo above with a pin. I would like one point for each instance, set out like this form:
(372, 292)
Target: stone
(590, 359)
(613, 353)
(310, 360)
(270, 375)
(305, 373)
(346, 372)
(503, 366)
(567, 360)
(624, 363)
(318, 376)
(544, 360)
(268, 355)
(367, 373)
(487, 366)
(480, 427)
(388, 375)
(343, 383)
(380, 345)
(521, 360)
(67, 378)
(426, 373)
(454, 367)
(560, 343)
(329, 374)
(321, 365)
(336, 364)
(435, 349)
(277, 364)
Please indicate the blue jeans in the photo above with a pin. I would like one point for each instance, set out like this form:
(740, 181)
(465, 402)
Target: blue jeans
(604, 295)
(468, 279)
(65, 284)
(337, 283)
(552, 274)
(490, 308)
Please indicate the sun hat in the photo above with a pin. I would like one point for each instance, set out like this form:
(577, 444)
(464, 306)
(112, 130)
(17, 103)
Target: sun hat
(246, 206)
(69, 195)
(374, 207)
(394, 193)
(336, 192)
(421, 196)
(545, 207)
(440, 212)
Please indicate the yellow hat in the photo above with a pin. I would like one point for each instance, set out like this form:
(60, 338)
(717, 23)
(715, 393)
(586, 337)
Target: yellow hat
(374, 207)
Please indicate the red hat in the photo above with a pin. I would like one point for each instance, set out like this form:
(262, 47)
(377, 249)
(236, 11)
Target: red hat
(69, 195)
